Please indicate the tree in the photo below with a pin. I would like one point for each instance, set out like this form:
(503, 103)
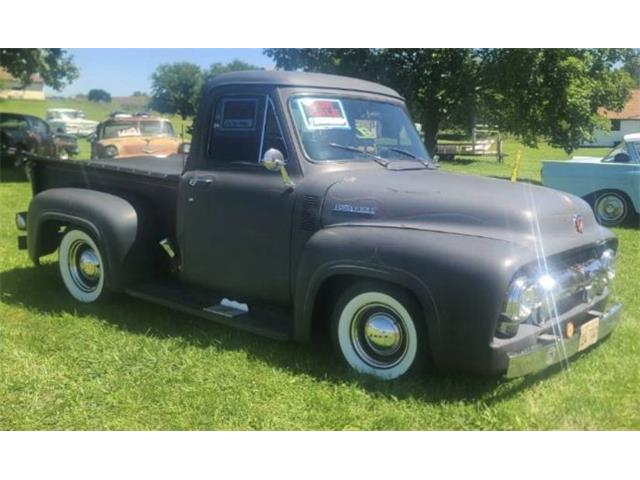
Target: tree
(138, 93)
(54, 65)
(233, 66)
(534, 94)
(632, 65)
(175, 88)
(99, 95)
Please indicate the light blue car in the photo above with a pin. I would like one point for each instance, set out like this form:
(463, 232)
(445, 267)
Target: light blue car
(611, 184)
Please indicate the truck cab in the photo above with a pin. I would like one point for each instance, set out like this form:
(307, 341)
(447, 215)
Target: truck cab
(308, 207)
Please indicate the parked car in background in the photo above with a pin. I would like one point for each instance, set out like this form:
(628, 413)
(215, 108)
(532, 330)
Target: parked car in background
(71, 121)
(611, 184)
(28, 134)
(122, 136)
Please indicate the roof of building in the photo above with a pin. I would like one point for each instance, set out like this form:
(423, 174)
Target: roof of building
(631, 110)
(301, 79)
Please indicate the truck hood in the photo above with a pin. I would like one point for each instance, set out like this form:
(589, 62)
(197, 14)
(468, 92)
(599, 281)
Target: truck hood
(460, 204)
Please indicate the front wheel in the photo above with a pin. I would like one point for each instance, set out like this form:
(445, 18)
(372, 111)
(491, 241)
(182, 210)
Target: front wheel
(378, 331)
(82, 267)
(611, 209)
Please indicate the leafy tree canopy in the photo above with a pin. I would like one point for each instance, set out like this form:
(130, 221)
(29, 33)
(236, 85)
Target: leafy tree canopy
(99, 95)
(54, 65)
(175, 88)
(534, 94)
(233, 66)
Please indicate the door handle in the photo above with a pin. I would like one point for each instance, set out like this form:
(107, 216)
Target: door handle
(200, 182)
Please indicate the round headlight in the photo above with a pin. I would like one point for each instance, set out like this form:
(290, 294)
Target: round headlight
(522, 300)
(111, 151)
(608, 260)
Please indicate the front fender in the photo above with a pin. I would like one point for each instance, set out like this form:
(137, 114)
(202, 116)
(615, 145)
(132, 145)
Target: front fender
(112, 220)
(460, 280)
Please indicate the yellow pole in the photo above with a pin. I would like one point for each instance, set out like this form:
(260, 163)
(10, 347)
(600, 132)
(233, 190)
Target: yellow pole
(516, 166)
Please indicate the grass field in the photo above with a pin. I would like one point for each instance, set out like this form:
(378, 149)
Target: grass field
(133, 365)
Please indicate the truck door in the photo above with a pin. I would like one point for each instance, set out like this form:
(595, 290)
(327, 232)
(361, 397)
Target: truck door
(236, 219)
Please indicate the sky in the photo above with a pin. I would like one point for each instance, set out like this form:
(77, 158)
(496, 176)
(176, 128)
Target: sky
(123, 71)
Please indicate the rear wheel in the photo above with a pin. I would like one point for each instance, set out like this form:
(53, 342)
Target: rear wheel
(378, 330)
(611, 208)
(81, 266)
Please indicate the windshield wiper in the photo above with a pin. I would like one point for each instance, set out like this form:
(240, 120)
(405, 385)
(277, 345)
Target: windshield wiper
(409, 154)
(379, 160)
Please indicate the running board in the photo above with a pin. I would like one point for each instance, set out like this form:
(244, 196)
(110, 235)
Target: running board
(263, 320)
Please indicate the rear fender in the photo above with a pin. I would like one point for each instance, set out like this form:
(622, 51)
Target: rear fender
(114, 222)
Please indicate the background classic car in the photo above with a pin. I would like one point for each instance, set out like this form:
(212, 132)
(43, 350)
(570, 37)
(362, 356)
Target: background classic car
(26, 133)
(611, 184)
(122, 136)
(71, 121)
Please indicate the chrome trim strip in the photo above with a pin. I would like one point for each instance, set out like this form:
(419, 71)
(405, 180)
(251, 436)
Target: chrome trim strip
(548, 352)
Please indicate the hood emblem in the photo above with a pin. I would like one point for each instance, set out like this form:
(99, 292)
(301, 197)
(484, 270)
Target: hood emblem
(578, 222)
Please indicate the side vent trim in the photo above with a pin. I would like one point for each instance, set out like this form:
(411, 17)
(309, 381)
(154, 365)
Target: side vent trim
(309, 221)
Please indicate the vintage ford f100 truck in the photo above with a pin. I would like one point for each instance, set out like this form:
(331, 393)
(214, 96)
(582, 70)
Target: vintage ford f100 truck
(308, 205)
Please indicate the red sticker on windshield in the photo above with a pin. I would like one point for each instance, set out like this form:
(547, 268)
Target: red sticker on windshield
(323, 113)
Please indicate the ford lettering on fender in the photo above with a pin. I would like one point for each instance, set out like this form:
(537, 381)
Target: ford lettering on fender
(308, 205)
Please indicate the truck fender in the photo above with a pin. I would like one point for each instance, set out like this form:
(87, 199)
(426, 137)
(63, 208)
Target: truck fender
(113, 221)
(318, 265)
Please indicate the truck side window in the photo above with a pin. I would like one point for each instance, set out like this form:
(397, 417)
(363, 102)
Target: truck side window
(273, 137)
(236, 132)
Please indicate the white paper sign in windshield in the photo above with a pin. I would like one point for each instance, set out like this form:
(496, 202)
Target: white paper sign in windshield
(323, 113)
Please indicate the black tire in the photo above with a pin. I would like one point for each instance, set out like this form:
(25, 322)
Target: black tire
(378, 330)
(611, 208)
(82, 266)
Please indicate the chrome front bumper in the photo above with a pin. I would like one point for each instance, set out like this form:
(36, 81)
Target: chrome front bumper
(550, 350)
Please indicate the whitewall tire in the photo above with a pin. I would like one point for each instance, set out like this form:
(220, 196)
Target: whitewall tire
(81, 266)
(611, 209)
(378, 331)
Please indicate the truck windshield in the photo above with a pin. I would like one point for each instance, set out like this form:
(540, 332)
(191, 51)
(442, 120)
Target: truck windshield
(341, 128)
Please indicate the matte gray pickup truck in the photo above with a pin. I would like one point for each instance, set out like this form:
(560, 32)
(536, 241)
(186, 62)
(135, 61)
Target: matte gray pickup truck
(307, 206)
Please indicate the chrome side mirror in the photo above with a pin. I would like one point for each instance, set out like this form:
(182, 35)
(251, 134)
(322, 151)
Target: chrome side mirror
(273, 160)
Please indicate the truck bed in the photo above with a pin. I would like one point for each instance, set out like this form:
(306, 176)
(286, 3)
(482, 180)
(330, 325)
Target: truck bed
(148, 179)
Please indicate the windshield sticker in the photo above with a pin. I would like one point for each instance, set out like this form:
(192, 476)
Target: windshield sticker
(239, 114)
(129, 132)
(323, 113)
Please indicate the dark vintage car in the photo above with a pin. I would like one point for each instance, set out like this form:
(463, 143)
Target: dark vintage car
(308, 206)
(28, 134)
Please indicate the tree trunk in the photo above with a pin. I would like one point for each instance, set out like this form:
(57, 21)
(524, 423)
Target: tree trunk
(430, 126)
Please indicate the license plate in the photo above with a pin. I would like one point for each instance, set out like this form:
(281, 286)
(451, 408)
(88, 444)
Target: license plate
(589, 334)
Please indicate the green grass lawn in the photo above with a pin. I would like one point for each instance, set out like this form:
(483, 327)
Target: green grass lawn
(132, 365)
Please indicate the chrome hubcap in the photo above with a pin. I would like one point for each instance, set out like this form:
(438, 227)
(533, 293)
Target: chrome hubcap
(382, 334)
(610, 208)
(378, 336)
(84, 266)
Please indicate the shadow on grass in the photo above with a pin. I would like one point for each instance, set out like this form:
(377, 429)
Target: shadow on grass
(12, 174)
(40, 290)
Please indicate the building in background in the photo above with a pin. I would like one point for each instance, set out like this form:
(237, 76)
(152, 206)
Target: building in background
(12, 88)
(622, 123)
